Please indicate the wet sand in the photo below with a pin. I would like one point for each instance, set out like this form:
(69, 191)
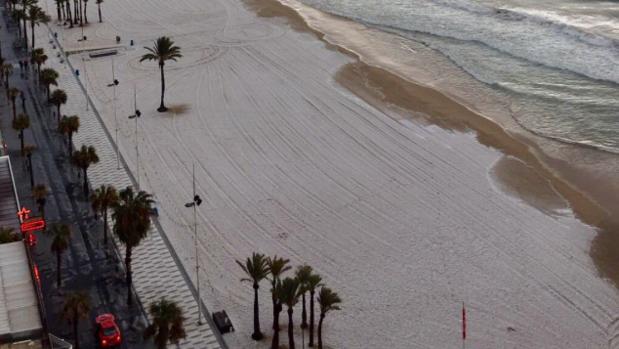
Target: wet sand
(542, 176)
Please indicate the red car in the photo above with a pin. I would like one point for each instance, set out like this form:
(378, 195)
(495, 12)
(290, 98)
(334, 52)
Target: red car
(108, 332)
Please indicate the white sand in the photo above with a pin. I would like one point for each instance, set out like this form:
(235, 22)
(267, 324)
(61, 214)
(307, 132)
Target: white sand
(401, 219)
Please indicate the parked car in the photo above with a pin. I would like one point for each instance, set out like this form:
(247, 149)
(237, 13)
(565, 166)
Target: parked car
(108, 333)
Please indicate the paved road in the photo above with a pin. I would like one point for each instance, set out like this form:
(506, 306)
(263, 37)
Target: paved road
(85, 264)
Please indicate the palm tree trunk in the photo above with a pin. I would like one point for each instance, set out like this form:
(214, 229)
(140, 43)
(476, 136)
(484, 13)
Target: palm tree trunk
(311, 324)
(14, 111)
(162, 337)
(99, 10)
(322, 317)
(21, 140)
(75, 332)
(303, 313)
(85, 12)
(47, 88)
(58, 11)
(86, 182)
(31, 171)
(32, 26)
(162, 107)
(25, 34)
(58, 276)
(58, 116)
(76, 11)
(290, 329)
(81, 16)
(275, 313)
(128, 276)
(69, 13)
(257, 335)
(276, 310)
(105, 226)
(70, 145)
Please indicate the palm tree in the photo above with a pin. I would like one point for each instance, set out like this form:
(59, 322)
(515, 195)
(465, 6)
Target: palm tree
(36, 16)
(257, 270)
(313, 282)
(76, 307)
(163, 50)
(28, 150)
(85, 12)
(58, 98)
(18, 15)
(277, 291)
(79, 12)
(68, 10)
(290, 296)
(83, 158)
(167, 325)
(58, 10)
(303, 273)
(68, 126)
(99, 2)
(328, 300)
(102, 199)
(76, 11)
(131, 223)
(39, 193)
(60, 243)
(13, 94)
(21, 123)
(39, 58)
(48, 77)
(277, 266)
(26, 5)
(7, 235)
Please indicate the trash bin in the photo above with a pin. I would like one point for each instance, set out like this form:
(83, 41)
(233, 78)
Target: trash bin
(222, 321)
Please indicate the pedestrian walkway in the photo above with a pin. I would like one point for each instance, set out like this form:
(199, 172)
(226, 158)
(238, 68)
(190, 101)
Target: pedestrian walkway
(157, 271)
(85, 265)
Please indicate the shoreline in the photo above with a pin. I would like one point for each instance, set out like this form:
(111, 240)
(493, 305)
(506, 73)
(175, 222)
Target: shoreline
(384, 89)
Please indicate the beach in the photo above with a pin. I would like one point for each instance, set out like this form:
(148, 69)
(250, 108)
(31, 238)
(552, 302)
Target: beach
(407, 194)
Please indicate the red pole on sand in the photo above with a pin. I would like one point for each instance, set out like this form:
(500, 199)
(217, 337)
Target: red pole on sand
(463, 325)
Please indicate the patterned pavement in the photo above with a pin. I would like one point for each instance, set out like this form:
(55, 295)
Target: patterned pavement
(157, 271)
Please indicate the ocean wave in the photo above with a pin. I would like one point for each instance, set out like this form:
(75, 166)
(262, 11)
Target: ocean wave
(537, 36)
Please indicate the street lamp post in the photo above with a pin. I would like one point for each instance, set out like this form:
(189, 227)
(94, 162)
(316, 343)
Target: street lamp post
(136, 116)
(195, 203)
(114, 84)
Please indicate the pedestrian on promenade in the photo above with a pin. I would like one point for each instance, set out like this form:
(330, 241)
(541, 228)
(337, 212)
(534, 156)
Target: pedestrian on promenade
(26, 68)
(21, 69)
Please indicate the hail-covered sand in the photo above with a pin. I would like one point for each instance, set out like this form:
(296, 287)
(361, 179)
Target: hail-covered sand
(402, 219)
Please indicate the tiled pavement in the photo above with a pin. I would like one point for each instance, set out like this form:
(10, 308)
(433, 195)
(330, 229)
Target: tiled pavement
(157, 272)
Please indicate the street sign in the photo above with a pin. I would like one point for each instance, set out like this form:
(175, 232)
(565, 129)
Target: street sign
(32, 224)
(23, 214)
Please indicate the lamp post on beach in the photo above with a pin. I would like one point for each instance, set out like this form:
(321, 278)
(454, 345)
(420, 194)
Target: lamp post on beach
(136, 115)
(195, 203)
(85, 81)
(113, 85)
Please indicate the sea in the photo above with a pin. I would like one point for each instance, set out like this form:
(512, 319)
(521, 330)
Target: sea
(557, 59)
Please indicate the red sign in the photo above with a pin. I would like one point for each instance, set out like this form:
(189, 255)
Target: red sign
(32, 224)
(23, 214)
(31, 239)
